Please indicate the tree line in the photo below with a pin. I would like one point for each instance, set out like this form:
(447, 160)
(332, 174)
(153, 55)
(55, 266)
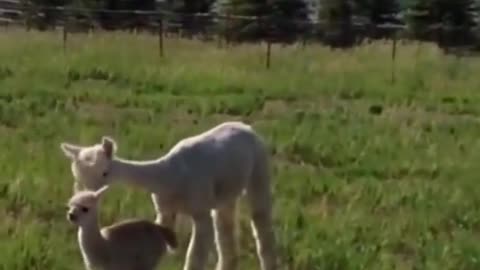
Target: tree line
(340, 23)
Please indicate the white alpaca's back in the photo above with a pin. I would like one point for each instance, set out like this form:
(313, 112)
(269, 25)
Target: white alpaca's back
(214, 167)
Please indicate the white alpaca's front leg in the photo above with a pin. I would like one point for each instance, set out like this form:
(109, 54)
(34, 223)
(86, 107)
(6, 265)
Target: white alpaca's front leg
(201, 241)
(224, 223)
(165, 216)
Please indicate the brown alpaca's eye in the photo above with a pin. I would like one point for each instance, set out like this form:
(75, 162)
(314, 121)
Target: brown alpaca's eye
(105, 174)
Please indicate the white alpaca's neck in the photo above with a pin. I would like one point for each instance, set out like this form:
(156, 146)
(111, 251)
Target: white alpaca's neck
(92, 244)
(153, 175)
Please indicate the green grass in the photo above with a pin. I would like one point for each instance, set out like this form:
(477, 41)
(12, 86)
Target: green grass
(367, 175)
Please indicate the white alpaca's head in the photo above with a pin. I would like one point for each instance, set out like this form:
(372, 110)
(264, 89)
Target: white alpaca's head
(91, 164)
(82, 206)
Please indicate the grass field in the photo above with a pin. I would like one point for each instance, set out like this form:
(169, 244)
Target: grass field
(367, 175)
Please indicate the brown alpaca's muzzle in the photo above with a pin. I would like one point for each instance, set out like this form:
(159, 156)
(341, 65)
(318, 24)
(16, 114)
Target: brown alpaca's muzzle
(71, 217)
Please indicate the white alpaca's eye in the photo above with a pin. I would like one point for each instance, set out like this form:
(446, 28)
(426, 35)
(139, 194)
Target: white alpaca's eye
(84, 209)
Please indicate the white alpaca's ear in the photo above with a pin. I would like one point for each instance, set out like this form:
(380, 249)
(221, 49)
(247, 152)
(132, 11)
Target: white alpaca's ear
(100, 191)
(70, 150)
(109, 146)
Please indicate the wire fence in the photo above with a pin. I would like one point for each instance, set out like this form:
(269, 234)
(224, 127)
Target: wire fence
(225, 28)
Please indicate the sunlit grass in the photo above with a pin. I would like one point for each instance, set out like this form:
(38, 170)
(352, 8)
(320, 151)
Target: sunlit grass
(368, 174)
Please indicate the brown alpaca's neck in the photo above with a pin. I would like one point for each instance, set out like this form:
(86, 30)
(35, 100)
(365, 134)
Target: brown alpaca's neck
(92, 244)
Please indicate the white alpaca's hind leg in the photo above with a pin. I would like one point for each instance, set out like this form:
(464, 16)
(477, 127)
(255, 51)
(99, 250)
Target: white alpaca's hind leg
(262, 230)
(259, 197)
(165, 216)
(201, 241)
(224, 224)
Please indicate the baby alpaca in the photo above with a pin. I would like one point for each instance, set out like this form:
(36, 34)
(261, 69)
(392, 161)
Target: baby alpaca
(128, 245)
(201, 176)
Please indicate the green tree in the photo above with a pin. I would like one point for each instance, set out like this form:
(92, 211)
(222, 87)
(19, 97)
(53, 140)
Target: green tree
(122, 20)
(335, 17)
(41, 13)
(282, 20)
(289, 20)
(420, 17)
(185, 15)
(107, 20)
(460, 21)
(446, 21)
(235, 29)
(377, 13)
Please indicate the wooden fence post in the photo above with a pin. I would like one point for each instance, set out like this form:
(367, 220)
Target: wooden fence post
(269, 43)
(65, 30)
(28, 19)
(305, 35)
(269, 53)
(219, 33)
(394, 56)
(227, 29)
(160, 37)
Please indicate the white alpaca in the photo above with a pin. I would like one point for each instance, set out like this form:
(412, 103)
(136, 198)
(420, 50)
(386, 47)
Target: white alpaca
(127, 245)
(201, 176)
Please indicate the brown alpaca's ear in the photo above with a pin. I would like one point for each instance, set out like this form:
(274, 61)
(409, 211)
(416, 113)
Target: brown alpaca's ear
(109, 146)
(71, 151)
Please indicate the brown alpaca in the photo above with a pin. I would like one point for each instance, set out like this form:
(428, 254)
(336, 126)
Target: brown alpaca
(127, 245)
